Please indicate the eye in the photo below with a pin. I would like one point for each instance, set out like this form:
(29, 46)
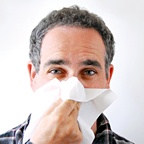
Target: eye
(55, 71)
(89, 72)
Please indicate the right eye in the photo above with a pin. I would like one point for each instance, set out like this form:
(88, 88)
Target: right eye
(55, 71)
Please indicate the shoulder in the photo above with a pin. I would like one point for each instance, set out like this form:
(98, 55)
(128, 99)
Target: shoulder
(14, 135)
(106, 135)
(120, 140)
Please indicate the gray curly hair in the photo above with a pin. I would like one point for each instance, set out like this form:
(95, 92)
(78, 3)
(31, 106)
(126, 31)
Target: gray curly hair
(71, 16)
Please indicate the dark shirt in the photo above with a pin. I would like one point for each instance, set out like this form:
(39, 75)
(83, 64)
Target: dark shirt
(104, 134)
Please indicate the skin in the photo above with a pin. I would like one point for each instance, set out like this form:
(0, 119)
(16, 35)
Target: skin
(66, 52)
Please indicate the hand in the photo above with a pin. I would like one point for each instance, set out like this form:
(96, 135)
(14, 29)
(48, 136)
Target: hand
(59, 125)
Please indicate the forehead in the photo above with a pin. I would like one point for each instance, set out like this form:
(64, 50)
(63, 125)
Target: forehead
(68, 41)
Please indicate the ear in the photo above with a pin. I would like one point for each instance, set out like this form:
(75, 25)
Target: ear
(110, 73)
(32, 74)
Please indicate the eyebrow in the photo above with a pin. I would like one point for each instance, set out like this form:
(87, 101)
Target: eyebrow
(91, 63)
(55, 62)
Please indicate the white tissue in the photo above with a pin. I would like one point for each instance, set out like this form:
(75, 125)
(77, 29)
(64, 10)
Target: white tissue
(93, 103)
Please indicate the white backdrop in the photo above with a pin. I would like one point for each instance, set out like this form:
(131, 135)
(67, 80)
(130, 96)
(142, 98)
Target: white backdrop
(126, 21)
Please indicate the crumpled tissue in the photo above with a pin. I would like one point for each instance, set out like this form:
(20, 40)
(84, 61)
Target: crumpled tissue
(93, 103)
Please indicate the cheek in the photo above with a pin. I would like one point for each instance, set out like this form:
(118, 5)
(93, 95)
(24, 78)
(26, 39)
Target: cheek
(96, 83)
(40, 81)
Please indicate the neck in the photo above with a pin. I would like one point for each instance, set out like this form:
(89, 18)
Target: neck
(94, 127)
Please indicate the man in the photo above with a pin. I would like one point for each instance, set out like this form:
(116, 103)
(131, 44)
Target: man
(66, 43)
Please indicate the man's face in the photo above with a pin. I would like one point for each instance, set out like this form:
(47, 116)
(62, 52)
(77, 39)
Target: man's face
(72, 51)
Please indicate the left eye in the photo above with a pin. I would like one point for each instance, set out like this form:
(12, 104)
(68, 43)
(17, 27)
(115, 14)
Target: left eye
(89, 72)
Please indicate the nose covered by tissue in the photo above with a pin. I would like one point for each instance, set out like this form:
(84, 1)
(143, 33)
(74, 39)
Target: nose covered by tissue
(93, 103)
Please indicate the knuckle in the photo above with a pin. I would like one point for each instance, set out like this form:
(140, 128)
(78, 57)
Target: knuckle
(70, 103)
(59, 118)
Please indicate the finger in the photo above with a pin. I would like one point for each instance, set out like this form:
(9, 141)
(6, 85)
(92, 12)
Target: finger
(66, 107)
(75, 111)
